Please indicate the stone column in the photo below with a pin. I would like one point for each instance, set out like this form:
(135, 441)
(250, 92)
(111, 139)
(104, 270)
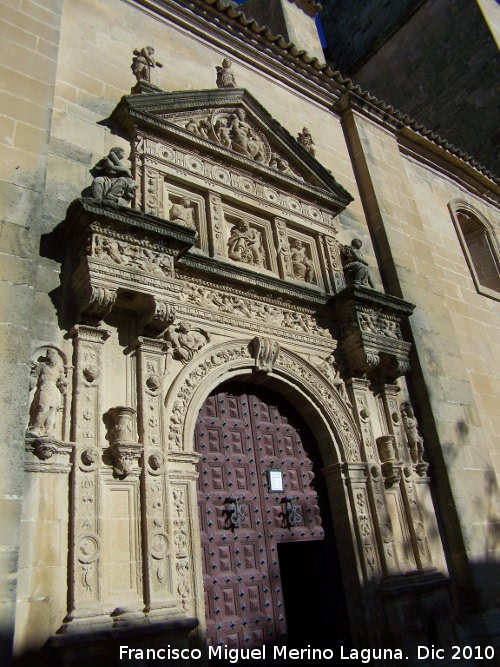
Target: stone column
(215, 217)
(85, 599)
(384, 531)
(158, 559)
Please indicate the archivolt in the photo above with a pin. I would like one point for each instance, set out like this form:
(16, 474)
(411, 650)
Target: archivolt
(300, 382)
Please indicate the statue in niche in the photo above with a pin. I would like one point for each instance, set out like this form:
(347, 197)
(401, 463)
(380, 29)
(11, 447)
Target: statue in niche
(245, 244)
(305, 139)
(183, 213)
(355, 267)
(225, 78)
(51, 385)
(112, 178)
(143, 62)
(415, 440)
(185, 341)
(302, 266)
(330, 370)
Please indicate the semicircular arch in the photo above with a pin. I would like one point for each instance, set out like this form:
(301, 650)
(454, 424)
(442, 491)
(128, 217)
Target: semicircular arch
(293, 377)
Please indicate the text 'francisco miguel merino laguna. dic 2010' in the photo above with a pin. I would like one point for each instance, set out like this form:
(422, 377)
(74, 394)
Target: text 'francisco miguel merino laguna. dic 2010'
(234, 655)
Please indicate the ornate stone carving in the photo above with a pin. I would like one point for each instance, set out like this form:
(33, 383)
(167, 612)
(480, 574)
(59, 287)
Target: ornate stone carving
(302, 265)
(143, 62)
(124, 450)
(182, 212)
(49, 377)
(112, 178)
(157, 317)
(129, 254)
(355, 267)
(330, 370)
(96, 303)
(233, 304)
(305, 139)
(391, 467)
(245, 245)
(362, 316)
(265, 352)
(225, 77)
(185, 340)
(414, 439)
(235, 132)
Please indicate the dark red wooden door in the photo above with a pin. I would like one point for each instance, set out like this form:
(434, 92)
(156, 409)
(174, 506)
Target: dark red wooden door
(242, 433)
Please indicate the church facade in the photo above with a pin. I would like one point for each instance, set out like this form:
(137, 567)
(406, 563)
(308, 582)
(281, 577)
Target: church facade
(250, 340)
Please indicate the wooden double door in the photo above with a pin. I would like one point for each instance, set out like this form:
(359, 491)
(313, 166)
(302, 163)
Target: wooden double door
(270, 569)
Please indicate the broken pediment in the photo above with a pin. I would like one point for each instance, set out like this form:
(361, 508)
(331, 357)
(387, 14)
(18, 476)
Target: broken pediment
(234, 128)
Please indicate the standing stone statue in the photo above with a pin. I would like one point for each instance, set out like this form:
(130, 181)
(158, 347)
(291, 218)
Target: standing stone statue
(50, 387)
(305, 139)
(143, 62)
(225, 78)
(355, 267)
(302, 266)
(415, 440)
(112, 178)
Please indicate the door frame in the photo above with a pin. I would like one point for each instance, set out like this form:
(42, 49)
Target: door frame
(338, 439)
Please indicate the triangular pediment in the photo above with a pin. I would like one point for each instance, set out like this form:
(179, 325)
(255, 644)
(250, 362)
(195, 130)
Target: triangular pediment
(234, 125)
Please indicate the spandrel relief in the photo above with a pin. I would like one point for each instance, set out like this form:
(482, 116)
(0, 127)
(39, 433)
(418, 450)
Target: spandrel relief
(355, 266)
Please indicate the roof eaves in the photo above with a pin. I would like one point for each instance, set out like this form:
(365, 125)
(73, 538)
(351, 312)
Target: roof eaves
(293, 53)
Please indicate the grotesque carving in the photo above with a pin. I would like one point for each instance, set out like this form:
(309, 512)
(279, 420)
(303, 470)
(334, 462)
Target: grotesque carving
(225, 78)
(265, 352)
(305, 139)
(185, 340)
(302, 266)
(415, 440)
(330, 370)
(143, 62)
(51, 384)
(183, 213)
(112, 178)
(245, 244)
(355, 267)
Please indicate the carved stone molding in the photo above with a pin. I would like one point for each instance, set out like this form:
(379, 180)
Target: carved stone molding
(265, 352)
(231, 123)
(122, 256)
(369, 329)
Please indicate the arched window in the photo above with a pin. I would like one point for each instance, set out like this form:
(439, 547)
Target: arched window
(480, 247)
